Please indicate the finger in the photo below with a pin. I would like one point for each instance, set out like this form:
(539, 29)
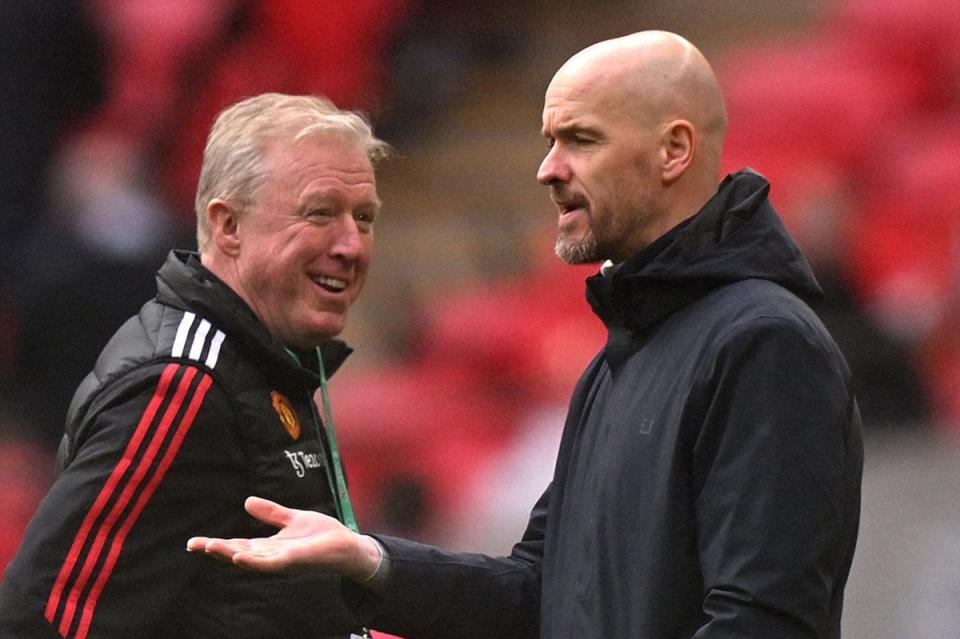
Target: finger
(213, 544)
(226, 548)
(219, 549)
(262, 563)
(268, 512)
(197, 544)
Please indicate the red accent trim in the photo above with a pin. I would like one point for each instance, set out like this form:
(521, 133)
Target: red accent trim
(161, 470)
(53, 602)
(133, 483)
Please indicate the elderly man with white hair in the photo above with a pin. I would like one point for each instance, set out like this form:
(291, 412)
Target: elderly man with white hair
(207, 396)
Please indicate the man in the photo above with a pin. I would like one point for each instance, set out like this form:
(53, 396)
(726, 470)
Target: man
(207, 396)
(707, 483)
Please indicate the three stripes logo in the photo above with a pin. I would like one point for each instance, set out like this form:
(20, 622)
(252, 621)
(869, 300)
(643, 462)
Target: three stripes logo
(203, 348)
(147, 457)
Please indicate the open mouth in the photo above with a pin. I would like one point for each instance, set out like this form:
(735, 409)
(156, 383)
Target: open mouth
(568, 210)
(569, 206)
(332, 284)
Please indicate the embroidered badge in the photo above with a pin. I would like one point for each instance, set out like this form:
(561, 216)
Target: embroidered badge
(285, 411)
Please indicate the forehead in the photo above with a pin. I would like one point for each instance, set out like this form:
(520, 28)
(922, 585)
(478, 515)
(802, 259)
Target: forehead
(322, 158)
(575, 98)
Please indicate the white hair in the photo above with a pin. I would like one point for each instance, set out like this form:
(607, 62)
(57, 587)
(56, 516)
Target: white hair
(242, 133)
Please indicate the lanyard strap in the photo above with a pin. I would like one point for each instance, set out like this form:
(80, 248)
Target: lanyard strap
(328, 438)
(339, 484)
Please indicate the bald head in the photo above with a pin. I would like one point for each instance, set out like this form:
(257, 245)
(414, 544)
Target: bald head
(636, 127)
(658, 76)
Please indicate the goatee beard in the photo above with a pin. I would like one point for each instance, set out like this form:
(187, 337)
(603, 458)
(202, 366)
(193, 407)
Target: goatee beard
(585, 251)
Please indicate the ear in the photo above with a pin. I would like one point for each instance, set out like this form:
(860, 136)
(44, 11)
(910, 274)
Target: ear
(678, 149)
(224, 221)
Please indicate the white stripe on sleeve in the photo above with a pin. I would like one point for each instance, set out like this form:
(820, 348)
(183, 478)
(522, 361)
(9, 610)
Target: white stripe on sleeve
(214, 353)
(181, 339)
(199, 338)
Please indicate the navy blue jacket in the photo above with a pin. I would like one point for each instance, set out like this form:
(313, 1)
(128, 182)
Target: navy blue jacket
(708, 480)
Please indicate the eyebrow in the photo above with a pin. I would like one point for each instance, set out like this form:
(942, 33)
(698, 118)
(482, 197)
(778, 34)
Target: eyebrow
(571, 128)
(333, 194)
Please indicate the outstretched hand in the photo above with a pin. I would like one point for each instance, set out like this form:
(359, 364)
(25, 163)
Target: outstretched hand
(307, 540)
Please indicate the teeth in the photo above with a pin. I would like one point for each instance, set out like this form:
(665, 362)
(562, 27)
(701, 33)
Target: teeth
(331, 282)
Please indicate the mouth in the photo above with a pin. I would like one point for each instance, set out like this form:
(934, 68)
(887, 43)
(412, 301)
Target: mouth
(331, 284)
(570, 209)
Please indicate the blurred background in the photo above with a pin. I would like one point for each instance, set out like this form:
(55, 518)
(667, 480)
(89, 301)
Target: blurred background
(471, 334)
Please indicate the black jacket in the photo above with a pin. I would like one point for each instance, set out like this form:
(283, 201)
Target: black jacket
(708, 479)
(192, 406)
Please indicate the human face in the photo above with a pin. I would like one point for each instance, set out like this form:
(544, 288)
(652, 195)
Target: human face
(305, 242)
(599, 167)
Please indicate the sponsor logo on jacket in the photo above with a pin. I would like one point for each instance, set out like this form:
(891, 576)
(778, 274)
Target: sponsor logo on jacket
(302, 461)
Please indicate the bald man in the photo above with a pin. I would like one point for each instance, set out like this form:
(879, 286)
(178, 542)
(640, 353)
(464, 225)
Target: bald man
(708, 479)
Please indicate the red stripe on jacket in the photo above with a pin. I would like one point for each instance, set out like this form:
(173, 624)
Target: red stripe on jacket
(53, 602)
(141, 472)
(117, 545)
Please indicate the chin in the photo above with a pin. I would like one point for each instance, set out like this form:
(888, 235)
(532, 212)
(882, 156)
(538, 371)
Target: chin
(329, 329)
(314, 335)
(321, 336)
(583, 251)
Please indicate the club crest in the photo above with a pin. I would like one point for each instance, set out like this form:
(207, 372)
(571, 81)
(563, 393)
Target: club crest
(287, 416)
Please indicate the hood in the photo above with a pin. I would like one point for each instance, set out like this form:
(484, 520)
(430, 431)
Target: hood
(736, 236)
(184, 283)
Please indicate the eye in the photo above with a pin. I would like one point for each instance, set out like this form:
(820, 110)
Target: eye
(319, 214)
(364, 220)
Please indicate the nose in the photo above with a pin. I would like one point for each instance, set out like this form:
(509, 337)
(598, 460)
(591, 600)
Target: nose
(351, 243)
(554, 168)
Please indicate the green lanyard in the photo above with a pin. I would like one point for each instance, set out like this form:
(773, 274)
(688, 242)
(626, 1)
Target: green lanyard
(335, 478)
(344, 507)
(337, 483)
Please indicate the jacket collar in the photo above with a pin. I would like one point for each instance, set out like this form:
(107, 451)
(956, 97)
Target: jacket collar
(184, 283)
(737, 235)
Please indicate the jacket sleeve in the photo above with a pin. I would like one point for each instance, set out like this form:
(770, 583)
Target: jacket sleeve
(104, 554)
(777, 466)
(438, 593)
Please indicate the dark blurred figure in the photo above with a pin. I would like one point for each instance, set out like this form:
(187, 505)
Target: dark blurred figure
(84, 274)
(52, 73)
(52, 70)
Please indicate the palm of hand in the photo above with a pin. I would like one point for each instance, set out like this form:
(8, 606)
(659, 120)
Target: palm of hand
(306, 540)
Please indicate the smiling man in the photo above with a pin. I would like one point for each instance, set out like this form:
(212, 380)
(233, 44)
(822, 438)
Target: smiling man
(708, 480)
(207, 396)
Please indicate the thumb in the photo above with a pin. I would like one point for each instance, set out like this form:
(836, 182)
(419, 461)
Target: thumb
(268, 512)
